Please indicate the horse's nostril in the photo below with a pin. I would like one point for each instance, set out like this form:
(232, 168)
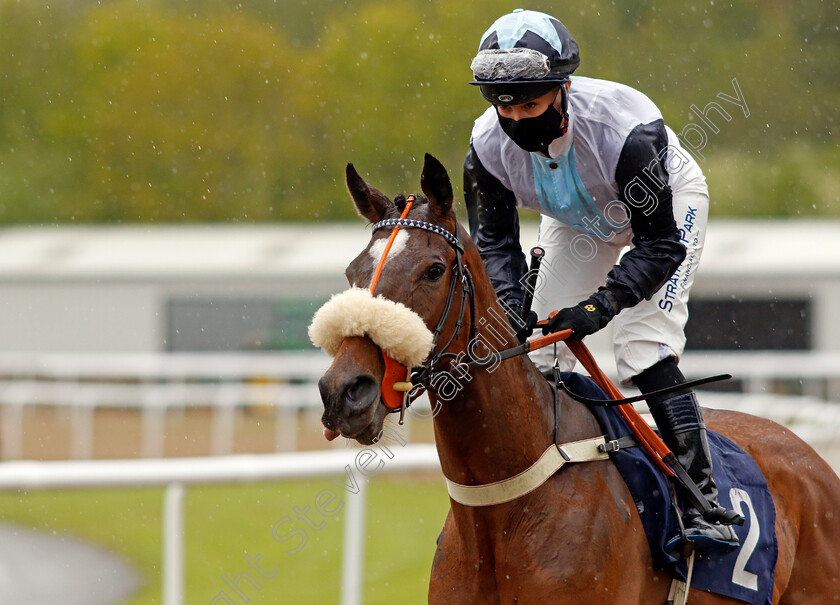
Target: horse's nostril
(360, 392)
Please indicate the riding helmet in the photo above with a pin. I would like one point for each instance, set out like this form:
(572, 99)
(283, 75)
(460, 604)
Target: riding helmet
(523, 55)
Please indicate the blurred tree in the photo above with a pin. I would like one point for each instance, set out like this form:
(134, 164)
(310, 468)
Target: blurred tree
(208, 110)
(183, 116)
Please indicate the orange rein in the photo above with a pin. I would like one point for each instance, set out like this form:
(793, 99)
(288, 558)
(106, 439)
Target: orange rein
(390, 243)
(647, 438)
(396, 381)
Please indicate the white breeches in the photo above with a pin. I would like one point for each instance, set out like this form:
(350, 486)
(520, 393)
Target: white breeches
(576, 265)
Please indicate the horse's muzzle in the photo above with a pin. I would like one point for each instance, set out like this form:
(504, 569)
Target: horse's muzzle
(350, 402)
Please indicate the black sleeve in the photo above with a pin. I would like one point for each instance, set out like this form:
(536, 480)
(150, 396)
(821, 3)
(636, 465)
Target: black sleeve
(494, 227)
(642, 180)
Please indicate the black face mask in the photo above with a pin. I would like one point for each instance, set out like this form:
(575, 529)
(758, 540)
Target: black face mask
(535, 134)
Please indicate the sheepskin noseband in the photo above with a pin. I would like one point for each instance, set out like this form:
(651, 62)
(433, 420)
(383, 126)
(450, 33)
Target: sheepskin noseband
(396, 329)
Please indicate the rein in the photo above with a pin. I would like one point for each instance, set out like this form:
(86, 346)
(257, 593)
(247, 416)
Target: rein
(399, 382)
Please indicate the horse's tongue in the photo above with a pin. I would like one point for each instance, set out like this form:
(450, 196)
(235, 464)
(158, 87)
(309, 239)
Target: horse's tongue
(330, 434)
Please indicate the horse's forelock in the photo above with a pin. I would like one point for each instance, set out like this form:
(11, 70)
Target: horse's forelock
(424, 210)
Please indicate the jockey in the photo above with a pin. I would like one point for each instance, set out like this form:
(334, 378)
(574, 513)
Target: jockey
(596, 159)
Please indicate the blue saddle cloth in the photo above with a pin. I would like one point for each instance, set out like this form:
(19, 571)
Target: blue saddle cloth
(745, 574)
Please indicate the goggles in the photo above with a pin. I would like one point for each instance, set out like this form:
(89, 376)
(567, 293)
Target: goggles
(510, 64)
(516, 93)
(513, 76)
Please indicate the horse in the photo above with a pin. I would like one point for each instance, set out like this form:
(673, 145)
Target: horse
(578, 537)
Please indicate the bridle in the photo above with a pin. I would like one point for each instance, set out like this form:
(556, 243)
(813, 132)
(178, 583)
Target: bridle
(401, 385)
(396, 394)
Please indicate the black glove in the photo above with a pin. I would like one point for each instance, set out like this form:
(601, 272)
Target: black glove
(584, 319)
(523, 327)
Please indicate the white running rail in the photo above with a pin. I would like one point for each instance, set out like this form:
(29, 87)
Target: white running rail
(155, 383)
(177, 473)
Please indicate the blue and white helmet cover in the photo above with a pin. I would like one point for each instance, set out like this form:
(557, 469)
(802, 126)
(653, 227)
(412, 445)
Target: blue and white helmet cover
(536, 31)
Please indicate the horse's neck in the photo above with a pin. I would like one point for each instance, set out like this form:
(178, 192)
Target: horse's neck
(500, 418)
(501, 421)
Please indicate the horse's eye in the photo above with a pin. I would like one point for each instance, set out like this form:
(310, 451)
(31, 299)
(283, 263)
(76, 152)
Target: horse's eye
(435, 272)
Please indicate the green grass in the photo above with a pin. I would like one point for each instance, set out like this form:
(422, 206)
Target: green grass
(225, 523)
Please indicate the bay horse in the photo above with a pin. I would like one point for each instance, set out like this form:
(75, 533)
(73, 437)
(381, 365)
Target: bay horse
(577, 538)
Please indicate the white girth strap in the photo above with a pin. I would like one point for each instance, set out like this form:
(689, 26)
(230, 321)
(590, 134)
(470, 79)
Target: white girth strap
(551, 461)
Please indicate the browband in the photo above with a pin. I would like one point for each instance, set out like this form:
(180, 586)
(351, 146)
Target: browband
(408, 222)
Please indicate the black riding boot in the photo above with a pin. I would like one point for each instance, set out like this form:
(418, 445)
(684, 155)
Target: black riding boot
(680, 421)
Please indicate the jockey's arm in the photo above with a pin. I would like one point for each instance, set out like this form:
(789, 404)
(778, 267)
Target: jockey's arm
(657, 251)
(494, 227)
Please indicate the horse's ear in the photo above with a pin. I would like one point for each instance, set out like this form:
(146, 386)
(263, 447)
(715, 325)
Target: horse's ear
(370, 202)
(436, 186)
